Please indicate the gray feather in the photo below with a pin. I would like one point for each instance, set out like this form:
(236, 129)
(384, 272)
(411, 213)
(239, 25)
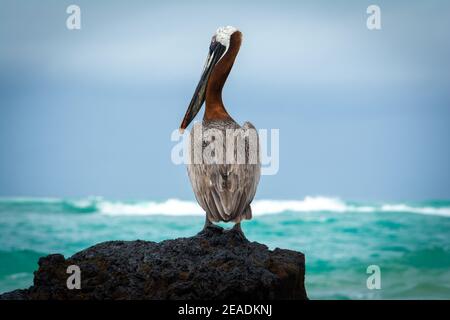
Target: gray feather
(224, 190)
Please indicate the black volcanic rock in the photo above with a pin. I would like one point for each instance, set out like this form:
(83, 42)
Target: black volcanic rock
(214, 264)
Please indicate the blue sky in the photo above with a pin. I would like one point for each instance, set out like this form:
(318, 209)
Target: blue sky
(363, 115)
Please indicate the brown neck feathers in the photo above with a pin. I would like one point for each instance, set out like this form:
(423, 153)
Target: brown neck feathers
(215, 110)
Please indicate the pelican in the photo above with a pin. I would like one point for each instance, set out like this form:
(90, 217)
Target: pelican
(224, 189)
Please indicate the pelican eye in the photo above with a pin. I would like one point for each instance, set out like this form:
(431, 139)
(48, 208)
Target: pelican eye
(213, 46)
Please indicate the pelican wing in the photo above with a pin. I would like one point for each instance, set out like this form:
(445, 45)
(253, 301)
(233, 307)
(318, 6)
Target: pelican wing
(225, 191)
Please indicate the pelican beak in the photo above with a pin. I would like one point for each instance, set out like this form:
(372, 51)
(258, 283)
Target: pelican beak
(216, 51)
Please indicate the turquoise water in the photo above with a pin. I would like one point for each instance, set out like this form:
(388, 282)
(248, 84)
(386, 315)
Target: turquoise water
(409, 241)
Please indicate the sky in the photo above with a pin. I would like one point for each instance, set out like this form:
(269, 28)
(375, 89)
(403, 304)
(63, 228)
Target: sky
(362, 114)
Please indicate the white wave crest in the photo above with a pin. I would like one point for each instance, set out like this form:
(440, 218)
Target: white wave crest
(175, 207)
(444, 211)
(171, 207)
(307, 205)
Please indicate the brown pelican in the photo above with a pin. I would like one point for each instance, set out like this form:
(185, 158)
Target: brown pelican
(224, 189)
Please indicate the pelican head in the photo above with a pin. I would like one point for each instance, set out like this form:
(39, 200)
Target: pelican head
(223, 35)
(220, 43)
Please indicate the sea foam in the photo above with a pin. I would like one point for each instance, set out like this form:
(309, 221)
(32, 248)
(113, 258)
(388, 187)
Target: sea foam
(177, 207)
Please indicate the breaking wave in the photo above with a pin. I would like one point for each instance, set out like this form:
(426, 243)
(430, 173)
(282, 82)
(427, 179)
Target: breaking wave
(262, 207)
(176, 207)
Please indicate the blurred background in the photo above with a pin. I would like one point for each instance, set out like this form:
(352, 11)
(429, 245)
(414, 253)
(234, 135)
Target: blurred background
(86, 117)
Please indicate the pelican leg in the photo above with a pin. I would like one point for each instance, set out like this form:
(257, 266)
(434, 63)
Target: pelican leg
(209, 226)
(237, 227)
(207, 223)
(238, 230)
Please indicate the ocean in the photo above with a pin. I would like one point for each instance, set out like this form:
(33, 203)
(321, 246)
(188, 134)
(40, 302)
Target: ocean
(409, 242)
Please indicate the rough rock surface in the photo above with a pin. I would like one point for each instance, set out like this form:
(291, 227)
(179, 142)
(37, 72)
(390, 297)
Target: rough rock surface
(214, 264)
